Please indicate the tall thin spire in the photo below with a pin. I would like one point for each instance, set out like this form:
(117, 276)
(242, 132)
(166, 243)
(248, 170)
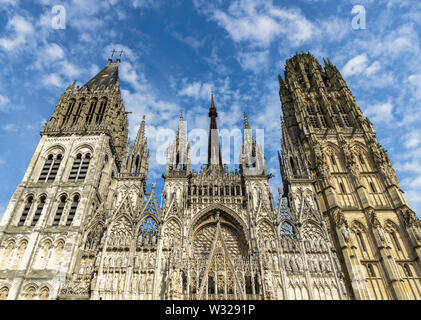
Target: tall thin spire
(246, 122)
(214, 150)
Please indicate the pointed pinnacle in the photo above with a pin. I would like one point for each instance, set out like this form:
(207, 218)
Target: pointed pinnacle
(246, 122)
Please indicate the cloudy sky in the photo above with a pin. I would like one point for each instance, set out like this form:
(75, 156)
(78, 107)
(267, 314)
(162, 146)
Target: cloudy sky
(176, 52)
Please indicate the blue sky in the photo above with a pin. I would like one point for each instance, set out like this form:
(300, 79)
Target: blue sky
(176, 52)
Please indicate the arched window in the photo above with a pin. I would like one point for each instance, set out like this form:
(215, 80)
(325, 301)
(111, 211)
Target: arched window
(21, 251)
(287, 230)
(78, 112)
(310, 110)
(60, 210)
(149, 228)
(69, 111)
(347, 122)
(54, 168)
(323, 121)
(84, 167)
(80, 167)
(7, 255)
(314, 122)
(101, 111)
(371, 272)
(50, 169)
(4, 293)
(395, 241)
(361, 241)
(91, 111)
(293, 168)
(38, 211)
(238, 190)
(26, 209)
(341, 109)
(72, 211)
(30, 293)
(407, 270)
(46, 169)
(136, 165)
(44, 293)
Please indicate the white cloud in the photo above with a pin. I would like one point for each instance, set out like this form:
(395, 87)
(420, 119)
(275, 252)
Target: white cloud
(382, 112)
(4, 103)
(356, 65)
(260, 23)
(11, 127)
(255, 61)
(21, 29)
(53, 52)
(54, 80)
(197, 90)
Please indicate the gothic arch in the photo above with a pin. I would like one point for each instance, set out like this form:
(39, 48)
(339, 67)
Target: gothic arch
(205, 229)
(287, 228)
(29, 291)
(93, 235)
(172, 229)
(358, 225)
(4, 292)
(391, 226)
(312, 229)
(56, 149)
(265, 225)
(81, 148)
(146, 217)
(214, 207)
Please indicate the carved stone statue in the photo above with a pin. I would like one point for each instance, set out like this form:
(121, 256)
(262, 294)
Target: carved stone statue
(417, 232)
(345, 232)
(380, 232)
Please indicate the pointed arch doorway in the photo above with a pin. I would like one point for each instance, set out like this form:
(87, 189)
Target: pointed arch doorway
(219, 258)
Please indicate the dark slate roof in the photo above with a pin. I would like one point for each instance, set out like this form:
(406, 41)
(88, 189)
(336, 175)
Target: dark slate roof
(105, 79)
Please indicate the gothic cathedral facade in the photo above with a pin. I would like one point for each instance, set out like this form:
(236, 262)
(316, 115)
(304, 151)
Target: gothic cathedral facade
(82, 224)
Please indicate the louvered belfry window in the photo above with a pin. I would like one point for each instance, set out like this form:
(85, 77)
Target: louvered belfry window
(80, 167)
(69, 112)
(59, 211)
(91, 112)
(72, 211)
(50, 169)
(101, 112)
(26, 210)
(38, 211)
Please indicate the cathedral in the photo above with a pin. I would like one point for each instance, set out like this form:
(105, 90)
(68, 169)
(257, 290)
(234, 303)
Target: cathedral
(82, 224)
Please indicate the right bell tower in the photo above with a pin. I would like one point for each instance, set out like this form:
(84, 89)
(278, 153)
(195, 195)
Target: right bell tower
(376, 235)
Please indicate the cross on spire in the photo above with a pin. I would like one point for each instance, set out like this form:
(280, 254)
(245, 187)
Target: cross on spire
(112, 55)
(121, 53)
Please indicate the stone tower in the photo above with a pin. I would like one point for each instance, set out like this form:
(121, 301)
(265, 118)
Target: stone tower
(331, 150)
(80, 157)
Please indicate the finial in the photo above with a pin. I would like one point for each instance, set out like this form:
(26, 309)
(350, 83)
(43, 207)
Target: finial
(246, 122)
(112, 56)
(119, 58)
(181, 116)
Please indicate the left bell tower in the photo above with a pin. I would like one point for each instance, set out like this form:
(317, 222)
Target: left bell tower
(82, 147)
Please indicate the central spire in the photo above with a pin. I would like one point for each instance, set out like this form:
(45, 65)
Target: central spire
(214, 151)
